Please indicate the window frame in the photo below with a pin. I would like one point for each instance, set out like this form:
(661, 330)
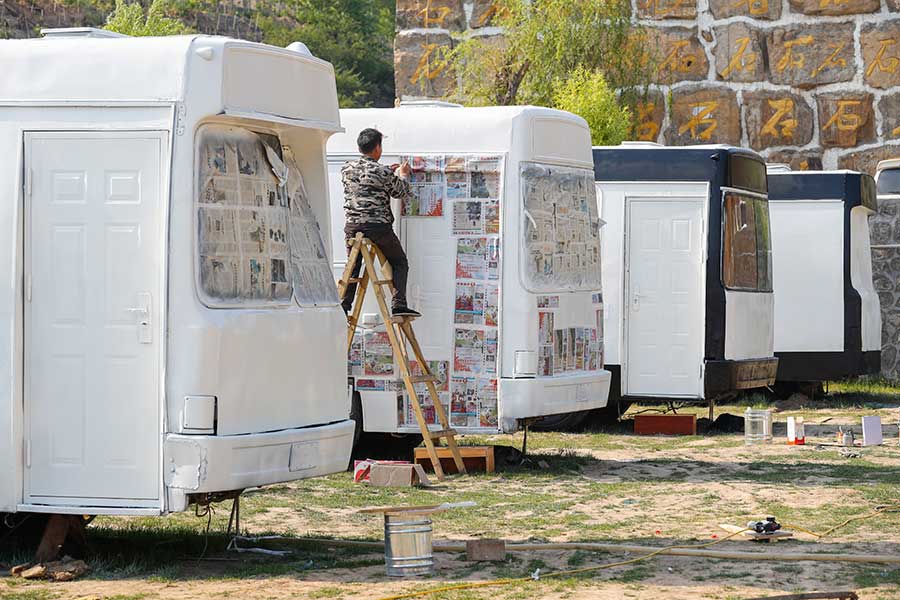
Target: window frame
(756, 197)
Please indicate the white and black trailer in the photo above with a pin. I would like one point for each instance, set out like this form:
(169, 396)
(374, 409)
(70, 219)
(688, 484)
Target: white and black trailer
(884, 227)
(687, 270)
(827, 317)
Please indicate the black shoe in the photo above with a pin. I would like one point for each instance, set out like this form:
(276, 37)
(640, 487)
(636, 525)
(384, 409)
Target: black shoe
(347, 309)
(405, 311)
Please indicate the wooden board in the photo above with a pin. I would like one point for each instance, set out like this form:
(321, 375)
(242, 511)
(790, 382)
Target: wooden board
(475, 458)
(665, 424)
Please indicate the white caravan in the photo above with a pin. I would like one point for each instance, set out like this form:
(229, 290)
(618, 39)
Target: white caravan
(822, 265)
(503, 247)
(687, 275)
(885, 232)
(172, 329)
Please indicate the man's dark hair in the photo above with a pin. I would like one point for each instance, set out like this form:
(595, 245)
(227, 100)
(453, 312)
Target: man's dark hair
(368, 140)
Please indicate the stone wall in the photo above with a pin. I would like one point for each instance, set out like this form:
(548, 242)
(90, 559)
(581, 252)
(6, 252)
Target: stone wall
(813, 83)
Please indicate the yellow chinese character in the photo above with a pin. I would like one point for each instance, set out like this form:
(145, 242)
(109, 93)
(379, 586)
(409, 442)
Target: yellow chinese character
(494, 10)
(823, 4)
(783, 108)
(896, 131)
(425, 68)
(804, 164)
(831, 61)
(701, 115)
(754, 7)
(659, 8)
(647, 129)
(789, 59)
(843, 119)
(679, 62)
(438, 16)
(741, 61)
(888, 66)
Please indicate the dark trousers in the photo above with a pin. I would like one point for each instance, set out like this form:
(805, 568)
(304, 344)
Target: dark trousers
(383, 236)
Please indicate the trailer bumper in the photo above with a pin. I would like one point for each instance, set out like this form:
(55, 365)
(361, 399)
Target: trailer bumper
(539, 397)
(723, 376)
(196, 464)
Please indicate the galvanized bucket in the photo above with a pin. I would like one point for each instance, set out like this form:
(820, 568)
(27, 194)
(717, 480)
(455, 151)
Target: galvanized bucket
(407, 544)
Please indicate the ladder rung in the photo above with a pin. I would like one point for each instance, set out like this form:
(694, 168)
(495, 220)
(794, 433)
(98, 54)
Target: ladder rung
(441, 433)
(383, 281)
(423, 378)
(354, 280)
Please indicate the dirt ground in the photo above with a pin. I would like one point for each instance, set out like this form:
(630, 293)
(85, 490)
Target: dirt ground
(606, 487)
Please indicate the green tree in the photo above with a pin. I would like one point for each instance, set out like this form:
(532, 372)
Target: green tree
(587, 94)
(129, 18)
(546, 41)
(353, 35)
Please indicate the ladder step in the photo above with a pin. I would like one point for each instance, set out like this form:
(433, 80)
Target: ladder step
(441, 433)
(383, 281)
(423, 379)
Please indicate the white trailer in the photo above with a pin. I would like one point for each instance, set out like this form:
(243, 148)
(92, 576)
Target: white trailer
(885, 233)
(687, 271)
(172, 331)
(822, 265)
(504, 264)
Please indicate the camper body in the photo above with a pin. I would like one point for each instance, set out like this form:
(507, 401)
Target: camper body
(823, 275)
(154, 353)
(511, 338)
(884, 227)
(678, 325)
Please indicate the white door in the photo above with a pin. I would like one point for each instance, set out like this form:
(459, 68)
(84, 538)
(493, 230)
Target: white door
(664, 297)
(94, 219)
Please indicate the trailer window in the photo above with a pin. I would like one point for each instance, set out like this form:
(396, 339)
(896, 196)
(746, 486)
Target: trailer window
(746, 245)
(258, 240)
(561, 228)
(889, 182)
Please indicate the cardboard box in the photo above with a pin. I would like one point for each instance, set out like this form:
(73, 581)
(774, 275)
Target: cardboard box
(408, 475)
(494, 550)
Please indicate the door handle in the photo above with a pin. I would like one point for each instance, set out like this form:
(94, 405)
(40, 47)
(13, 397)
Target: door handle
(636, 300)
(144, 312)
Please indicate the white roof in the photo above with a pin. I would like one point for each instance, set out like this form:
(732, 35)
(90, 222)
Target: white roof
(891, 163)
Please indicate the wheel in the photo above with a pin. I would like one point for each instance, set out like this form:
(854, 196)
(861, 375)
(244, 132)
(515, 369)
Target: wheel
(562, 422)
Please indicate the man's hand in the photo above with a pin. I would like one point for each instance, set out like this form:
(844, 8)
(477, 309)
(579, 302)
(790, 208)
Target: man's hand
(403, 170)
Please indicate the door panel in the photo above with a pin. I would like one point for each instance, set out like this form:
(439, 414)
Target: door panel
(93, 251)
(664, 297)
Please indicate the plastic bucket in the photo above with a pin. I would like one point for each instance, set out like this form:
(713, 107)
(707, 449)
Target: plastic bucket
(757, 426)
(407, 544)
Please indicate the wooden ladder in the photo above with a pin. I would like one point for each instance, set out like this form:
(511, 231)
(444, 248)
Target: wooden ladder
(400, 331)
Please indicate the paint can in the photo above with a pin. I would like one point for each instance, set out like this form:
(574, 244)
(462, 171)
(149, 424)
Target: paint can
(407, 544)
(796, 433)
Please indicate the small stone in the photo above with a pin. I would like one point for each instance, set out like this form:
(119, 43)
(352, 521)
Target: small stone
(431, 14)
(777, 119)
(486, 550)
(667, 9)
(419, 67)
(880, 45)
(834, 7)
(483, 13)
(770, 10)
(679, 54)
(866, 160)
(893, 5)
(889, 107)
(846, 119)
(798, 160)
(739, 53)
(704, 115)
(806, 55)
(35, 572)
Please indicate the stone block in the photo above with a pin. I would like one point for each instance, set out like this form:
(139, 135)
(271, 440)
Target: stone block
(846, 119)
(678, 54)
(707, 114)
(739, 53)
(483, 13)
(893, 5)
(649, 112)
(866, 160)
(889, 107)
(834, 7)
(431, 14)
(880, 44)
(769, 10)
(419, 64)
(806, 55)
(798, 160)
(667, 9)
(777, 119)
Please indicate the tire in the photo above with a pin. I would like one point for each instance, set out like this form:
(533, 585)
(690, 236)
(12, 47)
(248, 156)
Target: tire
(562, 422)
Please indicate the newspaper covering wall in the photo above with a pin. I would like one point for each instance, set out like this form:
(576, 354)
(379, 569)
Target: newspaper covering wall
(569, 349)
(464, 191)
(258, 238)
(562, 228)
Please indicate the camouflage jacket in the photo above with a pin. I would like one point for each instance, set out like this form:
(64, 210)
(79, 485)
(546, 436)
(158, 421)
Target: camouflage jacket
(368, 189)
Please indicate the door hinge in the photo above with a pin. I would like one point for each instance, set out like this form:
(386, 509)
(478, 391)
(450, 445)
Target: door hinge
(28, 454)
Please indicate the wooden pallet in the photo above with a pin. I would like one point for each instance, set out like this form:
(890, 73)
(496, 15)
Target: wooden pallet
(401, 335)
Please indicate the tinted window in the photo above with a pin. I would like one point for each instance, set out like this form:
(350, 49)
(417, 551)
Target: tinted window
(747, 173)
(889, 181)
(747, 244)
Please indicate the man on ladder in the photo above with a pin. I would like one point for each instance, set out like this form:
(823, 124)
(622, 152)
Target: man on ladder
(368, 189)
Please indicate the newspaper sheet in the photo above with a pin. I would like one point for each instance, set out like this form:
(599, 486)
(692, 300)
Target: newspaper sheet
(379, 359)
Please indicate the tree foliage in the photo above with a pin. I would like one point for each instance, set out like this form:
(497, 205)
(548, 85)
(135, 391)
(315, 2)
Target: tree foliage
(129, 18)
(587, 94)
(546, 41)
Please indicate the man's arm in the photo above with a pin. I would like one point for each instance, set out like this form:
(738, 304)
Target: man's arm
(398, 186)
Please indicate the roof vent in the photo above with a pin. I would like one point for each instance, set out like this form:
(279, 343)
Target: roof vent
(777, 168)
(299, 48)
(429, 103)
(80, 32)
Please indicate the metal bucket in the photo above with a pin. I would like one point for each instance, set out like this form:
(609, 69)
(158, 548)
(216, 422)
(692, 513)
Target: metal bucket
(407, 544)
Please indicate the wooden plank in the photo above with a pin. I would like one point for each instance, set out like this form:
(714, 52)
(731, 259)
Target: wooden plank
(475, 458)
(665, 424)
